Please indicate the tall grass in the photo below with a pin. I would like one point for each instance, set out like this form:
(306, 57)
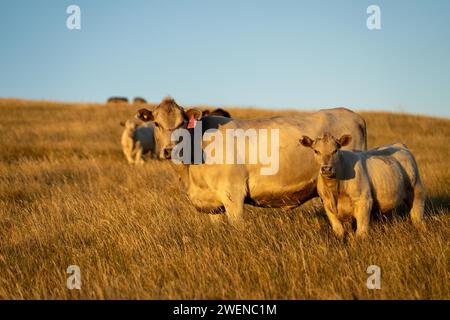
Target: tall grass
(67, 196)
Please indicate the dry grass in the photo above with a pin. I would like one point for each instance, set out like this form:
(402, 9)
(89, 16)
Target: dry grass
(67, 196)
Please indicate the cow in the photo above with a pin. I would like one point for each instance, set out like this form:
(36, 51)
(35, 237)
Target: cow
(354, 184)
(139, 100)
(114, 100)
(214, 187)
(217, 112)
(137, 141)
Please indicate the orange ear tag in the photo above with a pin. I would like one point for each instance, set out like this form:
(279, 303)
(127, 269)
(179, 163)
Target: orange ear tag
(192, 122)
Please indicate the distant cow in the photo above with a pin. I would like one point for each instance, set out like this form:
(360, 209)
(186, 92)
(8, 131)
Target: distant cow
(218, 112)
(139, 100)
(137, 141)
(352, 184)
(212, 187)
(117, 100)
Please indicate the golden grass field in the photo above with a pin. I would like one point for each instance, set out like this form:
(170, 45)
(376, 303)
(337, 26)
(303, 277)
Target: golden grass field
(67, 196)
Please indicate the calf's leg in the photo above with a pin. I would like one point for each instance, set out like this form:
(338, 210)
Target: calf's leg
(336, 224)
(362, 211)
(137, 153)
(128, 154)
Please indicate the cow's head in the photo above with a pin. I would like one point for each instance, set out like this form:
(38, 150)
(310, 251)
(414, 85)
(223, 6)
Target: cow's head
(167, 117)
(326, 151)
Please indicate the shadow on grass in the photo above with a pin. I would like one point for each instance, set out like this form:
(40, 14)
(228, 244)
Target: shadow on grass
(435, 204)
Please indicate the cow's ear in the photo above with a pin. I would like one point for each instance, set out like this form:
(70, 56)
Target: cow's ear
(197, 114)
(344, 140)
(122, 124)
(145, 115)
(306, 141)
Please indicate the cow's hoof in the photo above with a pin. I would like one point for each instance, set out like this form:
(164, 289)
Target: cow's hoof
(216, 219)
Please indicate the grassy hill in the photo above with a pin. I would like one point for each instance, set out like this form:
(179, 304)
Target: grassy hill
(67, 196)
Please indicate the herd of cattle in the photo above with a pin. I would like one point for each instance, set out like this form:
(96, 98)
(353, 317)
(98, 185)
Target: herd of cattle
(320, 154)
(119, 100)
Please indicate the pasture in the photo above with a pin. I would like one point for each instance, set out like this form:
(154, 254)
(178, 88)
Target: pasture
(68, 197)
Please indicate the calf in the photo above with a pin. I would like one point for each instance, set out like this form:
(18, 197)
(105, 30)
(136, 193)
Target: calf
(354, 183)
(137, 141)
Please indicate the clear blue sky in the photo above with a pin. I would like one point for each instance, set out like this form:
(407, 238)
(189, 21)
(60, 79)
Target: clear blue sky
(286, 54)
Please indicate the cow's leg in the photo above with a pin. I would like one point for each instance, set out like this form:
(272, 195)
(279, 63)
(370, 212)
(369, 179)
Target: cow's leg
(129, 158)
(362, 211)
(128, 152)
(331, 209)
(231, 192)
(216, 219)
(137, 153)
(127, 149)
(138, 157)
(233, 201)
(235, 211)
(336, 224)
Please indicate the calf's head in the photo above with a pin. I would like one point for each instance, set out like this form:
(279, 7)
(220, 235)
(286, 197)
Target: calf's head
(326, 151)
(167, 117)
(129, 125)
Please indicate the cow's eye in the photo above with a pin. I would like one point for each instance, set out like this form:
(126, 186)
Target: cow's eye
(156, 124)
(316, 152)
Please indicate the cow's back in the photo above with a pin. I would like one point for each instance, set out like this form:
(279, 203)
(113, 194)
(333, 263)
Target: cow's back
(295, 181)
(347, 122)
(400, 154)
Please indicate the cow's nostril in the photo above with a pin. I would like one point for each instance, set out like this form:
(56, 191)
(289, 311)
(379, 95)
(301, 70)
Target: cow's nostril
(326, 169)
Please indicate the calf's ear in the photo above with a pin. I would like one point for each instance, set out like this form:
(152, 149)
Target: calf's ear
(344, 140)
(197, 114)
(306, 141)
(144, 115)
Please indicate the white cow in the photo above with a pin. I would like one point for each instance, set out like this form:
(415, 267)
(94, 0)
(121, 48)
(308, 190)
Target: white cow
(138, 141)
(212, 187)
(356, 183)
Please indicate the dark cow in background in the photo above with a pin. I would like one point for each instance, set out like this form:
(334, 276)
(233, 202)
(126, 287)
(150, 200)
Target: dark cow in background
(218, 112)
(117, 100)
(139, 100)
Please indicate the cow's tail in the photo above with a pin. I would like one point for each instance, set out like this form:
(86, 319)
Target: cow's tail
(418, 193)
(363, 131)
(418, 204)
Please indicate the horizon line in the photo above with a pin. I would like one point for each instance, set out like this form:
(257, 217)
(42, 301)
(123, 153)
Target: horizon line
(203, 105)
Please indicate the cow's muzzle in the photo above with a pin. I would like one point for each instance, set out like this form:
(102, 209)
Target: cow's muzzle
(327, 171)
